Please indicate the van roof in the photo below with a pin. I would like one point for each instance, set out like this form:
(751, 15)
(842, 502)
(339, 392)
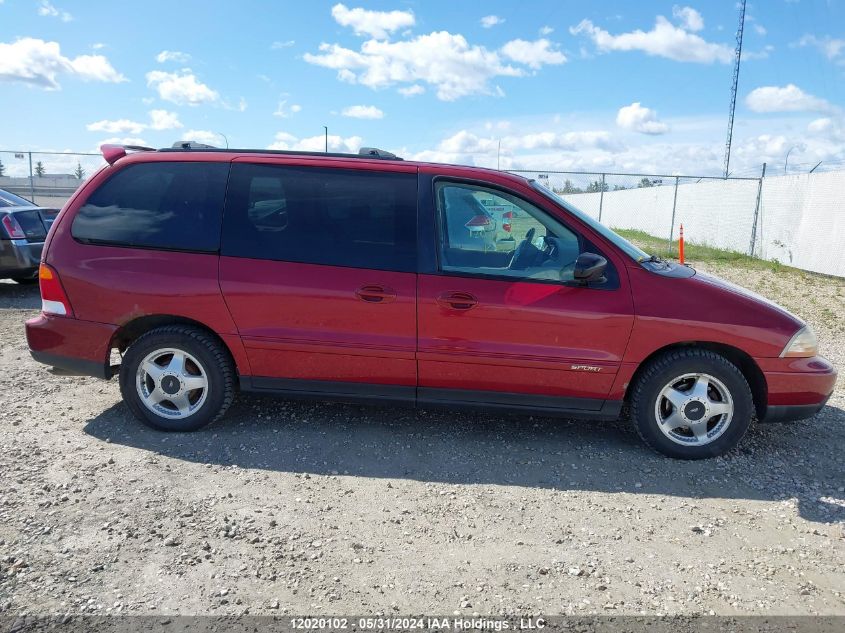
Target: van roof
(112, 153)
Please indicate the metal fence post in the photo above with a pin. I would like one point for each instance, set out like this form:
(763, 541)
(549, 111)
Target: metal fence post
(757, 212)
(674, 205)
(31, 183)
(601, 197)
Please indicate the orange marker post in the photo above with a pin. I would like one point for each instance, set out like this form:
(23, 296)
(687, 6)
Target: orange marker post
(681, 244)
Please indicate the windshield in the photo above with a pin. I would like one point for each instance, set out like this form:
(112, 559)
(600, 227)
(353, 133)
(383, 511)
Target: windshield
(11, 200)
(632, 251)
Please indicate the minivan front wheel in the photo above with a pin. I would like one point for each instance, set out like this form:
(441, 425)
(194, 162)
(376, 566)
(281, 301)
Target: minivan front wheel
(692, 404)
(177, 378)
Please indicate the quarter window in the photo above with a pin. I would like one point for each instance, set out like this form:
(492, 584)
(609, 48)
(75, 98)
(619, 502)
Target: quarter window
(168, 205)
(335, 217)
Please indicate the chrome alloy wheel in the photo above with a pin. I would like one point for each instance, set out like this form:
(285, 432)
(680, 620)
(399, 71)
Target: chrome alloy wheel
(694, 409)
(171, 383)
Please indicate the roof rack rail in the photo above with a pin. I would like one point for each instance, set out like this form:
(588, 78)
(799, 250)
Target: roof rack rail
(113, 153)
(371, 152)
(375, 152)
(191, 145)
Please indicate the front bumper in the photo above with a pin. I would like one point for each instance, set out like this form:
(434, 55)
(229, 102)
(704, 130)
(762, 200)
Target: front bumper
(19, 258)
(797, 388)
(76, 346)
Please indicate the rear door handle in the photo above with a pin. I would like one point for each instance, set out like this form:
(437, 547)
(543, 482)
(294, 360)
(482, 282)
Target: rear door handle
(374, 293)
(457, 300)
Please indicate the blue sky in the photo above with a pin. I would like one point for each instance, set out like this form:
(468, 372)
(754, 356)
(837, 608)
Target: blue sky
(619, 86)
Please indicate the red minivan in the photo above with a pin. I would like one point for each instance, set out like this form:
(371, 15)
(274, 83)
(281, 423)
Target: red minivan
(366, 278)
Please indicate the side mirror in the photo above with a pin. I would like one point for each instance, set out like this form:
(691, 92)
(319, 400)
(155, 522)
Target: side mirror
(590, 267)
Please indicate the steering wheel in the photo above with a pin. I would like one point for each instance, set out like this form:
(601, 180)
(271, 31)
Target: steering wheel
(521, 250)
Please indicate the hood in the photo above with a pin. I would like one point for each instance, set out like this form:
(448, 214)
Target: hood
(724, 284)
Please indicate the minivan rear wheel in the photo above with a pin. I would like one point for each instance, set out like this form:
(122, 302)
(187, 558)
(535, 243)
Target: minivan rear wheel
(692, 404)
(177, 378)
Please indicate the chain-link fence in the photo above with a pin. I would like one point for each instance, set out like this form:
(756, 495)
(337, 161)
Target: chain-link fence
(46, 178)
(714, 211)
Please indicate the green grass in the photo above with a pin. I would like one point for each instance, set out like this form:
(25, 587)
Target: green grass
(695, 252)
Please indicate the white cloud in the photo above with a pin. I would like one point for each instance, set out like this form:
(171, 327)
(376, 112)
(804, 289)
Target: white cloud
(465, 142)
(689, 18)
(277, 45)
(95, 68)
(546, 30)
(828, 128)
(759, 29)
(830, 47)
(285, 141)
(98, 46)
(376, 24)
(159, 120)
(489, 21)
(363, 112)
(39, 63)
(46, 9)
(118, 140)
(440, 59)
(789, 98)
(533, 54)
(284, 110)
(173, 56)
(164, 120)
(203, 136)
(663, 40)
(181, 88)
(118, 126)
(640, 119)
(412, 90)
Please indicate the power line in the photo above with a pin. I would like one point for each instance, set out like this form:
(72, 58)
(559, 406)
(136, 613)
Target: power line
(737, 59)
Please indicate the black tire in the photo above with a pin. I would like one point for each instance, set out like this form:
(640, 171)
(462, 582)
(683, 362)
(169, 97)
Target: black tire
(677, 363)
(26, 281)
(214, 359)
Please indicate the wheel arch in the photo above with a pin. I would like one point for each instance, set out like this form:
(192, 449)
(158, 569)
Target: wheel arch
(131, 330)
(746, 364)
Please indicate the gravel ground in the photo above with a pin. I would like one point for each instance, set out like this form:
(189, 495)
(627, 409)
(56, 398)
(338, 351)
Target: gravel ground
(292, 508)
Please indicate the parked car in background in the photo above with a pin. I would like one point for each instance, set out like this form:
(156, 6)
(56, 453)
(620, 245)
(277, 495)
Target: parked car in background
(368, 278)
(23, 229)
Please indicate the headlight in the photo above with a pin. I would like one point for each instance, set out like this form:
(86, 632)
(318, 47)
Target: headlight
(803, 344)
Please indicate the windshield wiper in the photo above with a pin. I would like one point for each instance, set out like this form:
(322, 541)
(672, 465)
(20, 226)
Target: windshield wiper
(653, 258)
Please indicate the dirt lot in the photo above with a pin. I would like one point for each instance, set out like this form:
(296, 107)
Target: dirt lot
(289, 507)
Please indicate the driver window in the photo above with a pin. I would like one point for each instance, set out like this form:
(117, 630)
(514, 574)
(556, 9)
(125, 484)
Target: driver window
(488, 232)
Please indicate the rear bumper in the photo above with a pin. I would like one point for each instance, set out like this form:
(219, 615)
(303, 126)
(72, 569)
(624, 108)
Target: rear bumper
(19, 258)
(79, 347)
(797, 387)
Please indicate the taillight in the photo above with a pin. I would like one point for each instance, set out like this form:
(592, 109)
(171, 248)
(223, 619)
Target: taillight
(13, 229)
(53, 297)
(506, 221)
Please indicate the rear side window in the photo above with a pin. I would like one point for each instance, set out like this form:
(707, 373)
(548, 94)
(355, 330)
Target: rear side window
(167, 205)
(334, 217)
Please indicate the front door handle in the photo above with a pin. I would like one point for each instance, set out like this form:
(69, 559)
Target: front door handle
(457, 300)
(374, 293)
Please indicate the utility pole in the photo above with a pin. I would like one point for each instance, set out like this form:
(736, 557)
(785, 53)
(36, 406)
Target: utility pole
(734, 84)
(325, 127)
(786, 161)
